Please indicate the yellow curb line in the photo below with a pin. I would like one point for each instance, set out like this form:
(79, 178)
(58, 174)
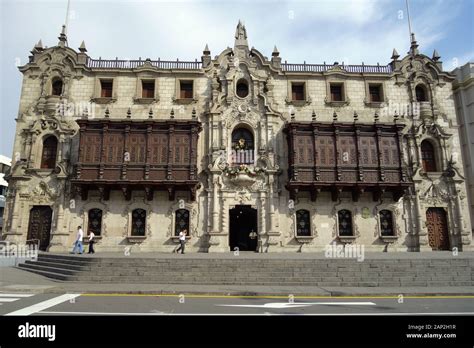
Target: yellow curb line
(274, 296)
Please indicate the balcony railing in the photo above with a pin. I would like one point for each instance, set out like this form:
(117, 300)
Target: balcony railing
(379, 69)
(132, 64)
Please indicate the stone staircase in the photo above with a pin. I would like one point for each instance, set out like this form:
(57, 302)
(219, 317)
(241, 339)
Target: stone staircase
(383, 272)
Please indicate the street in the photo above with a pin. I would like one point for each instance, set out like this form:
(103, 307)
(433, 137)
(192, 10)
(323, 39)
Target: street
(147, 304)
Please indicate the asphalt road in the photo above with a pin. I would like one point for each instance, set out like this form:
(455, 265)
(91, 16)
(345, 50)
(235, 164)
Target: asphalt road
(116, 304)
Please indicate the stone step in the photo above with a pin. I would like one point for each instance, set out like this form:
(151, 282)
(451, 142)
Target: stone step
(63, 271)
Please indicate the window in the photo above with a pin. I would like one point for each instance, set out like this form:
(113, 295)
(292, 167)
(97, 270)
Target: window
(48, 157)
(336, 92)
(242, 146)
(345, 222)
(386, 223)
(186, 89)
(428, 156)
(420, 92)
(3, 191)
(297, 91)
(138, 222)
(181, 221)
(303, 224)
(375, 93)
(106, 88)
(95, 221)
(57, 87)
(242, 88)
(148, 89)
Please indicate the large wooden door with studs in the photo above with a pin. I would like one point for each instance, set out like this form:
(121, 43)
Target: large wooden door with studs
(437, 224)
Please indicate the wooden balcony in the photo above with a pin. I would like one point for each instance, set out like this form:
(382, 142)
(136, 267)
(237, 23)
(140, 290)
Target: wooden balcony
(127, 155)
(339, 157)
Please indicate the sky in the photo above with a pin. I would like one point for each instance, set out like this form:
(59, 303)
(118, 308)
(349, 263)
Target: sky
(315, 31)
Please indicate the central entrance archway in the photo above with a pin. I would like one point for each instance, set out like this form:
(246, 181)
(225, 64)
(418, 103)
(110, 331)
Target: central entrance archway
(242, 222)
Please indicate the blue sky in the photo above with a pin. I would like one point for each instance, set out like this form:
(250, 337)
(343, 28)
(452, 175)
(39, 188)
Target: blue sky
(313, 31)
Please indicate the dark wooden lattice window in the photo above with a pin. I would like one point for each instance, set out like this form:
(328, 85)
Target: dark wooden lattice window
(420, 92)
(386, 223)
(57, 87)
(106, 88)
(48, 157)
(297, 91)
(303, 224)
(186, 89)
(242, 88)
(428, 156)
(181, 221)
(336, 92)
(148, 89)
(345, 222)
(138, 222)
(375, 92)
(95, 221)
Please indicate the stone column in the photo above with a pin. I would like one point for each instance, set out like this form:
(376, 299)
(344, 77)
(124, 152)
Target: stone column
(215, 205)
(422, 233)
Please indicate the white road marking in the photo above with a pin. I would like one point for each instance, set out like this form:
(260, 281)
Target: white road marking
(16, 295)
(44, 305)
(258, 314)
(10, 299)
(299, 304)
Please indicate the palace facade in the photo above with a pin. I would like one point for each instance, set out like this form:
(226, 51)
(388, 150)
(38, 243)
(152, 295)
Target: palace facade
(242, 151)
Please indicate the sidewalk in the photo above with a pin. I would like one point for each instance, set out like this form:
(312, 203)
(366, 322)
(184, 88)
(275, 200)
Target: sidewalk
(16, 280)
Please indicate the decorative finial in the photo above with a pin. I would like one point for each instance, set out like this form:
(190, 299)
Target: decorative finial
(436, 55)
(275, 52)
(313, 116)
(414, 45)
(292, 115)
(193, 113)
(83, 48)
(107, 112)
(172, 113)
(62, 37)
(129, 113)
(395, 116)
(241, 36)
(206, 51)
(334, 116)
(376, 117)
(150, 113)
(39, 45)
(395, 54)
(356, 117)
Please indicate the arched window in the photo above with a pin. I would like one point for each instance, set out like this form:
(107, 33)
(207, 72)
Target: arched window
(242, 88)
(303, 223)
(50, 148)
(345, 222)
(95, 221)
(428, 156)
(386, 223)
(421, 94)
(57, 87)
(243, 146)
(181, 221)
(138, 222)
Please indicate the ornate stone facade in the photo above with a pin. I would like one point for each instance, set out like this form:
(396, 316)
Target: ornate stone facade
(239, 90)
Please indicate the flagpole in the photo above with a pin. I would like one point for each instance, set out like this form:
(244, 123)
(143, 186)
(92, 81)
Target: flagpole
(409, 20)
(66, 22)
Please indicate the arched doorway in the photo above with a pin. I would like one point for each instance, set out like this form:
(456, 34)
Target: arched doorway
(243, 230)
(39, 226)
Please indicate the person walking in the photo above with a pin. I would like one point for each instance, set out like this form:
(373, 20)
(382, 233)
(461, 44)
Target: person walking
(182, 241)
(78, 242)
(91, 242)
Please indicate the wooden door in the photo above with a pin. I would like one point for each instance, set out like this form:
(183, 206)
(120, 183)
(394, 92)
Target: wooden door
(40, 225)
(437, 228)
